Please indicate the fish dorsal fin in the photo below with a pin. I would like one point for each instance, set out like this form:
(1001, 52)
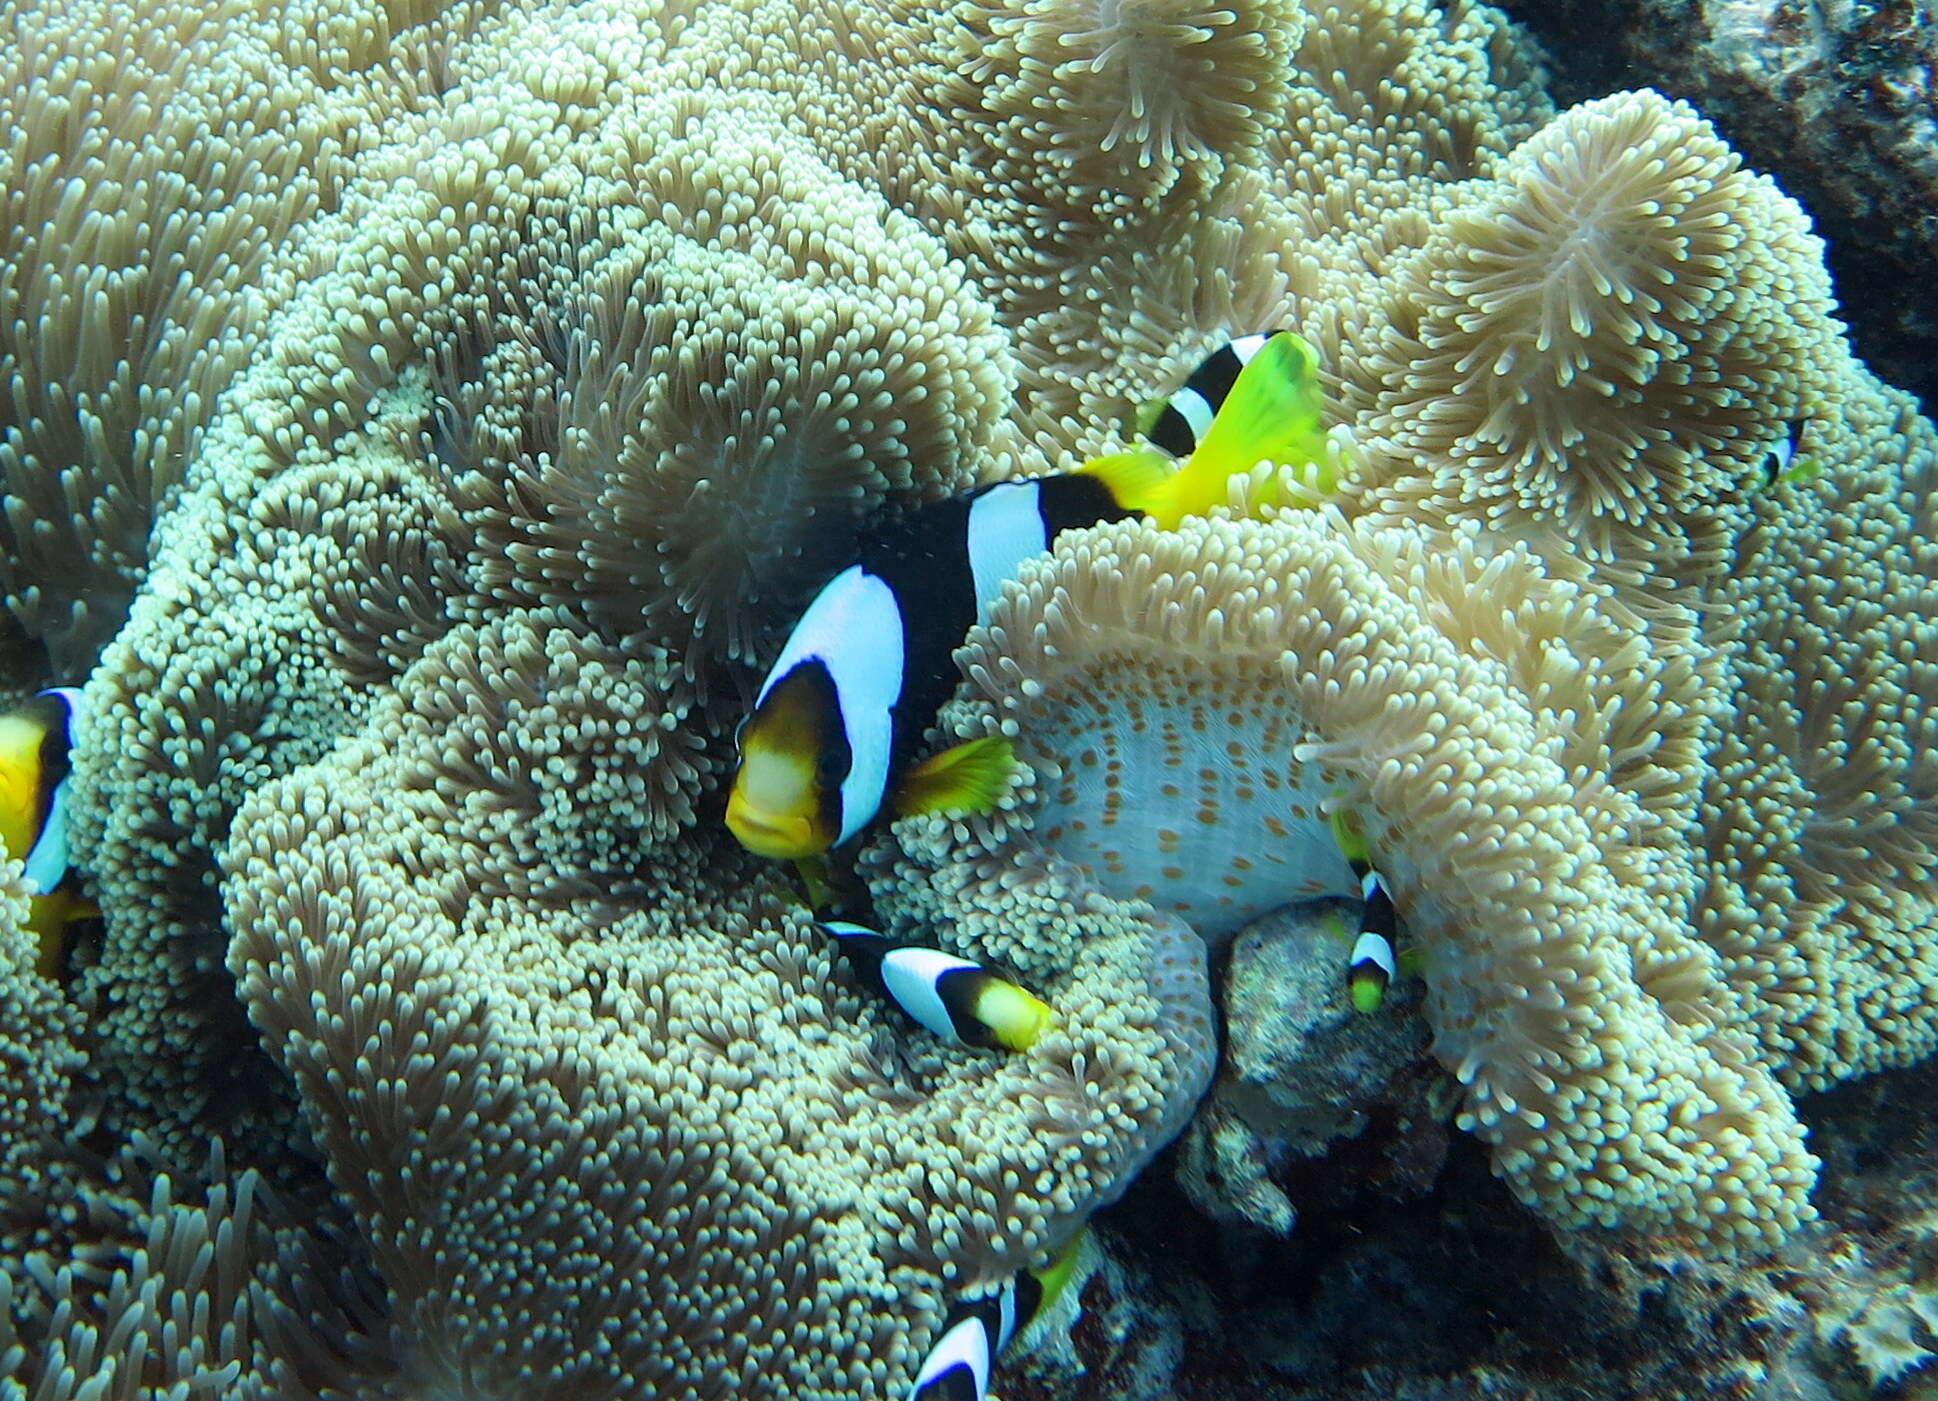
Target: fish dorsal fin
(1272, 413)
(967, 777)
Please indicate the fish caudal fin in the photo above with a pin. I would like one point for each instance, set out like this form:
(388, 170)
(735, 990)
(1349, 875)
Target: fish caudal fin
(1014, 1017)
(1371, 972)
(967, 777)
(956, 999)
(1271, 414)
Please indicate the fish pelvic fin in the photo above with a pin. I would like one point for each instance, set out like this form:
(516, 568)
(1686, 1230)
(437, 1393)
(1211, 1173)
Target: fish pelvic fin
(48, 918)
(1272, 414)
(967, 777)
(817, 880)
(1054, 1277)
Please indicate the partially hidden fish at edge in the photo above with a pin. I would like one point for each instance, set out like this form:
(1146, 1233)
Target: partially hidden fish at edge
(34, 742)
(960, 1365)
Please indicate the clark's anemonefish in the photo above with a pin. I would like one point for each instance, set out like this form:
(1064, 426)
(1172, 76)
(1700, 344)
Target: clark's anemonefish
(1373, 965)
(956, 999)
(959, 1366)
(833, 731)
(1786, 461)
(34, 743)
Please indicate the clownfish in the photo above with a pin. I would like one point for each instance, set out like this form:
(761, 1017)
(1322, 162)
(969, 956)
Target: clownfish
(959, 1366)
(34, 743)
(960, 1001)
(1785, 461)
(1372, 965)
(831, 737)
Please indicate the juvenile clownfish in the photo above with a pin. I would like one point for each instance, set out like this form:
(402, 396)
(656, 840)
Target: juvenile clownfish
(1372, 966)
(957, 1000)
(1785, 461)
(959, 1366)
(832, 734)
(34, 743)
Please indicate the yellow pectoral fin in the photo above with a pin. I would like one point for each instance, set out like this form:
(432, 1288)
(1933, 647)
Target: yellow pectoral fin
(1336, 926)
(968, 777)
(1272, 414)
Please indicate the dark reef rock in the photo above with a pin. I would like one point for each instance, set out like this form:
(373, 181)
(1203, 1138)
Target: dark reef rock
(1301, 1072)
(1322, 1234)
(1838, 101)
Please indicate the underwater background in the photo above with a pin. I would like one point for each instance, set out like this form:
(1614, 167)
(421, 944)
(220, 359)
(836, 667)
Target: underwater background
(428, 424)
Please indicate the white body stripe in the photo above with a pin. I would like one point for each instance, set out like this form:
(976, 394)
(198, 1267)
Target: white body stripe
(1368, 885)
(1005, 528)
(1007, 1320)
(965, 1345)
(47, 862)
(1195, 409)
(854, 628)
(910, 975)
(1245, 347)
(1373, 948)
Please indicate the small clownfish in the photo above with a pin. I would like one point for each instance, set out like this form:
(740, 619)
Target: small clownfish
(34, 742)
(832, 734)
(1372, 967)
(1785, 462)
(959, 1366)
(956, 999)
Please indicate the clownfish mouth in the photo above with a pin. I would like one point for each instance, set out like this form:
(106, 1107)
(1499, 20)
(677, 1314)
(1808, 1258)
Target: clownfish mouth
(764, 834)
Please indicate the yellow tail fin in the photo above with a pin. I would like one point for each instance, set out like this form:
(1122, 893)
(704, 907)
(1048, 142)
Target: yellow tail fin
(967, 777)
(1015, 1016)
(1271, 414)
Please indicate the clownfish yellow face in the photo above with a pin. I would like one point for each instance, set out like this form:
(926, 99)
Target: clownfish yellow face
(782, 805)
(814, 755)
(23, 803)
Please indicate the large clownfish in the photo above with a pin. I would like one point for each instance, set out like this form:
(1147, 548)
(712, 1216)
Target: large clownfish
(832, 734)
(34, 742)
(959, 1366)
